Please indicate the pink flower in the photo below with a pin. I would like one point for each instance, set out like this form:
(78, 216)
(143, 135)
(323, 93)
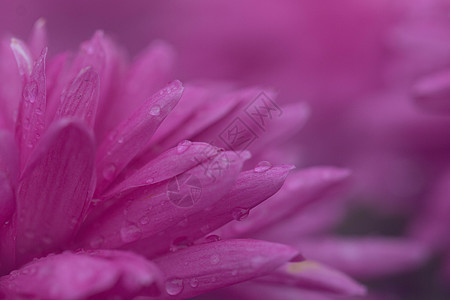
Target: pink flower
(102, 194)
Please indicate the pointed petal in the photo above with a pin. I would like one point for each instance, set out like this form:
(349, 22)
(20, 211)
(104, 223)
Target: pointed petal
(81, 97)
(147, 211)
(213, 110)
(433, 92)
(202, 268)
(300, 189)
(167, 165)
(133, 134)
(23, 57)
(311, 275)
(38, 38)
(55, 189)
(83, 275)
(31, 119)
(366, 258)
(249, 190)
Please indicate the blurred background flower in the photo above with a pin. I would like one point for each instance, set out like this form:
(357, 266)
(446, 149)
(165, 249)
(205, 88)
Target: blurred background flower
(373, 75)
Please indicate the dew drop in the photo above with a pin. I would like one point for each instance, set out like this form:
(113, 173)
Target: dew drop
(30, 92)
(130, 233)
(109, 172)
(144, 220)
(155, 110)
(174, 286)
(150, 180)
(240, 213)
(180, 243)
(120, 141)
(194, 282)
(214, 259)
(212, 238)
(183, 146)
(262, 167)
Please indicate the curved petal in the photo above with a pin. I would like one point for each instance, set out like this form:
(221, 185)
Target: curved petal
(433, 92)
(147, 211)
(250, 189)
(300, 189)
(83, 275)
(366, 258)
(80, 99)
(201, 268)
(132, 135)
(310, 275)
(167, 165)
(55, 189)
(38, 38)
(31, 117)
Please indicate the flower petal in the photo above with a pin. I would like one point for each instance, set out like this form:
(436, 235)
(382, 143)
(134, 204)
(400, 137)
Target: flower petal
(202, 268)
(147, 211)
(366, 258)
(300, 189)
(9, 157)
(433, 92)
(249, 190)
(55, 189)
(83, 275)
(81, 97)
(38, 38)
(31, 118)
(311, 275)
(167, 165)
(133, 134)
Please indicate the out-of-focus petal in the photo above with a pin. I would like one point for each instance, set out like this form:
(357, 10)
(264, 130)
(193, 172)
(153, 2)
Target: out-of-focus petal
(38, 39)
(366, 257)
(249, 190)
(202, 268)
(433, 224)
(55, 189)
(300, 189)
(433, 92)
(83, 275)
(132, 135)
(311, 275)
(148, 210)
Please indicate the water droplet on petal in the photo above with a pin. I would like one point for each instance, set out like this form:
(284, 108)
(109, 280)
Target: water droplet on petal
(130, 233)
(174, 286)
(180, 243)
(144, 220)
(183, 146)
(120, 141)
(194, 282)
(150, 180)
(240, 213)
(109, 172)
(214, 259)
(155, 110)
(262, 167)
(30, 91)
(234, 272)
(212, 238)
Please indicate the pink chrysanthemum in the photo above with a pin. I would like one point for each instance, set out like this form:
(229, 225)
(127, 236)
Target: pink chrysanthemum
(103, 195)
